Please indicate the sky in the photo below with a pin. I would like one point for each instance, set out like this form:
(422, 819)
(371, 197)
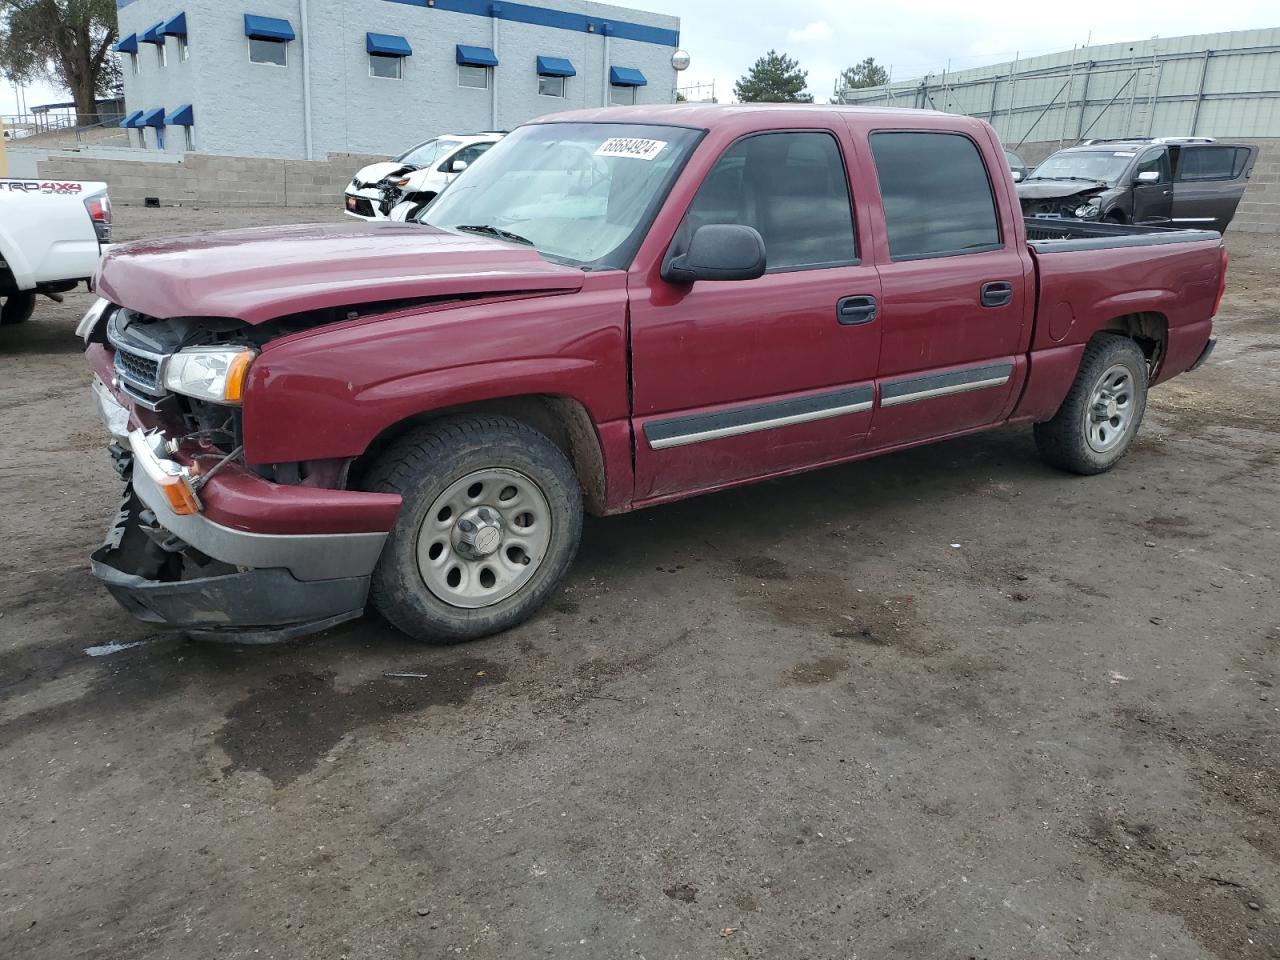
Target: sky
(915, 37)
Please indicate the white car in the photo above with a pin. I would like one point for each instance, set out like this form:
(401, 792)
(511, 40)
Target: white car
(412, 180)
(52, 234)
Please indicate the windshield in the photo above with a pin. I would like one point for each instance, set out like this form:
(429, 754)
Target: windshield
(1104, 165)
(580, 193)
(425, 154)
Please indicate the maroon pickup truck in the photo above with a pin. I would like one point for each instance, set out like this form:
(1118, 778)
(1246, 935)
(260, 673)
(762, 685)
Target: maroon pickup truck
(612, 309)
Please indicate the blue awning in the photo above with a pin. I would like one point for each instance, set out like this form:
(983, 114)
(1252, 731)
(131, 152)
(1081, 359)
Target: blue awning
(182, 117)
(555, 67)
(387, 44)
(154, 33)
(267, 28)
(476, 56)
(151, 118)
(132, 119)
(627, 77)
(128, 44)
(175, 26)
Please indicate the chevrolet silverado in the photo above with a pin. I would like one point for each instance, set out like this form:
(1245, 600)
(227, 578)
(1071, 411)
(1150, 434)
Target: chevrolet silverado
(618, 308)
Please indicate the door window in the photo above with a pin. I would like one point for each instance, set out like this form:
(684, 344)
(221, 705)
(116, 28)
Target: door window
(467, 155)
(1157, 160)
(792, 187)
(937, 195)
(1211, 163)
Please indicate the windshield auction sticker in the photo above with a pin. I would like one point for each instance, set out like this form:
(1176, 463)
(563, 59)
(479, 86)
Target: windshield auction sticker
(631, 148)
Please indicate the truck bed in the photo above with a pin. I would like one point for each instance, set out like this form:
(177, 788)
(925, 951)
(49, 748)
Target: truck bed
(1054, 235)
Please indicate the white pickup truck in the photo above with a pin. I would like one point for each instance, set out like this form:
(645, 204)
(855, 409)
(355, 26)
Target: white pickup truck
(52, 234)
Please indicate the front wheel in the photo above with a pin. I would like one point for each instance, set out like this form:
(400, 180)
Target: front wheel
(1097, 422)
(490, 524)
(18, 308)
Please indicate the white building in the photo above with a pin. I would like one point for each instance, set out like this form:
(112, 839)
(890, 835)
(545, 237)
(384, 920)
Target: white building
(303, 78)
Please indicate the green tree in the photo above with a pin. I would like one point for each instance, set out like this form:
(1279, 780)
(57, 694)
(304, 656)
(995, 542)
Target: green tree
(868, 73)
(774, 78)
(65, 41)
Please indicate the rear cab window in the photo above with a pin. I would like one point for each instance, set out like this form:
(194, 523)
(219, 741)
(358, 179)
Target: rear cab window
(937, 195)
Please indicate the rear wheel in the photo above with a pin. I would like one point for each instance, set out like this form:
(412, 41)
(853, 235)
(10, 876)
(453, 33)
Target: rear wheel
(491, 520)
(1104, 408)
(18, 308)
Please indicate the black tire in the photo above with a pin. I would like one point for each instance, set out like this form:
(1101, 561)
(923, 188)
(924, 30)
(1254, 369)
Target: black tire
(18, 308)
(425, 463)
(1065, 441)
(1115, 216)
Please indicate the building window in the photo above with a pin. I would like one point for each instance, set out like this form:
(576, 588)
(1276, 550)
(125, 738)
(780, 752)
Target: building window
(384, 66)
(473, 76)
(162, 54)
(184, 52)
(268, 51)
(133, 64)
(622, 96)
(551, 87)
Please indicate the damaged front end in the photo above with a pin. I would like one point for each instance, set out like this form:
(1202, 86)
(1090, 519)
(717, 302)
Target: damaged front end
(203, 541)
(1063, 199)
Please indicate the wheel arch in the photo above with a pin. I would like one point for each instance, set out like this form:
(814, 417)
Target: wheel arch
(563, 420)
(1150, 330)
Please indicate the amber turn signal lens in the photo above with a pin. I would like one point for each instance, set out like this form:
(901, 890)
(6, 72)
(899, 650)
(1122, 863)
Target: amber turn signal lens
(177, 491)
(236, 376)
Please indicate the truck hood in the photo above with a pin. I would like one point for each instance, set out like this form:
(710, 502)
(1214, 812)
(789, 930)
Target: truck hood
(1054, 189)
(260, 274)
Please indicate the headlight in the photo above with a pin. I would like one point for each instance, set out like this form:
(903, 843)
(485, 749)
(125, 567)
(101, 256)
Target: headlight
(1088, 211)
(402, 183)
(89, 322)
(217, 374)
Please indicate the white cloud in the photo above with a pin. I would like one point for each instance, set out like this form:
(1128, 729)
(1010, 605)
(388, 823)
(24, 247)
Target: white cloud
(814, 32)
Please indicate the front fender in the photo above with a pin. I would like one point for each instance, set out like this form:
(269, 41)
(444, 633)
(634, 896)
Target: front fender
(330, 393)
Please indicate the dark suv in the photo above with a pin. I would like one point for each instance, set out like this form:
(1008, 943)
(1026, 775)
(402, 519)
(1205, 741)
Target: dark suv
(1168, 181)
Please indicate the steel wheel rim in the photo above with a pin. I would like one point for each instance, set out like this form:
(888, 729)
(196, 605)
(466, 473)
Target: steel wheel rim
(484, 538)
(1109, 414)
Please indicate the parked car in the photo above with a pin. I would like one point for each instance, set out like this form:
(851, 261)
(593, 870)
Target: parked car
(1017, 166)
(617, 308)
(1193, 182)
(51, 236)
(415, 177)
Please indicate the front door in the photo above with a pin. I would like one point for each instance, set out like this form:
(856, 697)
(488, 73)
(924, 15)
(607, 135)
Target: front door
(955, 287)
(740, 379)
(1153, 197)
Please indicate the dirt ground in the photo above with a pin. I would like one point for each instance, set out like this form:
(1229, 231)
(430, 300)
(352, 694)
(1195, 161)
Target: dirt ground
(945, 704)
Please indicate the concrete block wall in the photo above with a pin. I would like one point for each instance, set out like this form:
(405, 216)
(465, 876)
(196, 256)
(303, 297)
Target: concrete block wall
(1259, 210)
(200, 179)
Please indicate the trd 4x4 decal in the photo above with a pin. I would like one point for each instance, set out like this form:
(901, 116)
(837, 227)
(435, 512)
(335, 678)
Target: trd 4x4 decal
(37, 186)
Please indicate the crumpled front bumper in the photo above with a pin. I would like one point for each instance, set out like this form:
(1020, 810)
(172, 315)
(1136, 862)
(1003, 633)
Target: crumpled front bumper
(215, 580)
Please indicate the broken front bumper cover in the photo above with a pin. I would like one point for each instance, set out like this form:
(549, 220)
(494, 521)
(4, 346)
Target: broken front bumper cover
(191, 573)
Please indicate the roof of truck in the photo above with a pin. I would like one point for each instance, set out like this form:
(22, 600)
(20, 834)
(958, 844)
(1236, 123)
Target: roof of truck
(711, 116)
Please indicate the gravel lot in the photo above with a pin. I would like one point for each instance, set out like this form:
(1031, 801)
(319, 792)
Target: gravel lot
(791, 721)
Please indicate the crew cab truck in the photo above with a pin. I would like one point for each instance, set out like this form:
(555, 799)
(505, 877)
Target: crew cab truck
(51, 236)
(616, 309)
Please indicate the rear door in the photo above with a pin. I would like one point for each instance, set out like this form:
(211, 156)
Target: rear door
(955, 285)
(734, 380)
(1153, 199)
(1208, 183)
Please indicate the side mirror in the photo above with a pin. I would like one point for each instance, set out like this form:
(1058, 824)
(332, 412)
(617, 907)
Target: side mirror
(458, 166)
(1017, 176)
(1149, 176)
(719, 251)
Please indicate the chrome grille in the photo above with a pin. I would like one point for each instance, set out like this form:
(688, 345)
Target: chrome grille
(143, 372)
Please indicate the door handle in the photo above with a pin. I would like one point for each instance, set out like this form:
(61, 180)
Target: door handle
(997, 293)
(855, 310)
